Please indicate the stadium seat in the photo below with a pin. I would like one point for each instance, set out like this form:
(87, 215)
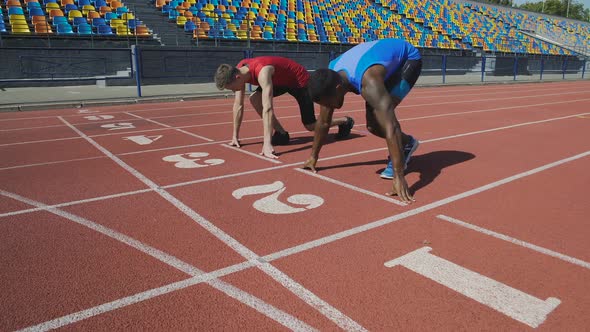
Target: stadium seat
(96, 22)
(15, 11)
(132, 24)
(78, 20)
(104, 10)
(110, 16)
(51, 5)
(36, 12)
(43, 28)
(69, 7)
(20, 28)
(92, 15)
(127, 16)
(104, 30)
(87, 8)
(122, 30)
(142, 31)
(64, 29)
(117, 22)
(73, 14)
(189, 27)
(84, 29)
(33, 5)
(180, 21)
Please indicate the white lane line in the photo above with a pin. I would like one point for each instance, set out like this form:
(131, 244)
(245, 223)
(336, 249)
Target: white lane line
(518, 242)
(136, 152)
(233, 292)
(256, 155)
(369, 151)
(157, 254)
(110, 306)
(314, 301)
(406, 106)
(51, 163)
(151, 119)
(295, 116)
(82, 201)
(201, 144)
(489, 110)
(349, 186)
(427, 207)
(362, 110)
(181, 184)
(41, 141)
(168, 126)
(418, 92)
(503, 128)
(297, 249)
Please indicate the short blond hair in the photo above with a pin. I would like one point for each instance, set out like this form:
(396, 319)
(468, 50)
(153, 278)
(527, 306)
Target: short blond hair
(224, 75)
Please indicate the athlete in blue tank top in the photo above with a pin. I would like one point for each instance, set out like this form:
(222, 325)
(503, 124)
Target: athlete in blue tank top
(383, 72)
(389, 53)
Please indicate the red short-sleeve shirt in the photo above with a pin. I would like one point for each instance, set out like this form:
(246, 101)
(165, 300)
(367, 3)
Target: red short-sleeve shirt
(288, 73)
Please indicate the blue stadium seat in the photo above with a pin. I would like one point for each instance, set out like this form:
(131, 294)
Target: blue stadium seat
(104, 30)
(189, 26)
(36, 12)
(122, 10)
(31, 5)
(64, 29)
(172, 15)
(96, 22)
(15, 11)
(57, 20)
(79, 20)
(84, 29)
(132, 24)
(69, 7)
(109, 16)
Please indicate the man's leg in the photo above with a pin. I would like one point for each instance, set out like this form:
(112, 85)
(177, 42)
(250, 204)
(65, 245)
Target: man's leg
(399, 85)
(256, 101)
(306, 108)
(375, 128)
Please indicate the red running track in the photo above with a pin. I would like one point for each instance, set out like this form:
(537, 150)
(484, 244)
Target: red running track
(141, 216)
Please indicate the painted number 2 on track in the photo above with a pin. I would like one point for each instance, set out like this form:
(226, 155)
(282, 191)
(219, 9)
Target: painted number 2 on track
(271, 203)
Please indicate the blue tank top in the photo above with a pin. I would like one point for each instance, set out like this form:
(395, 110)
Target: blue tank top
(391, 53)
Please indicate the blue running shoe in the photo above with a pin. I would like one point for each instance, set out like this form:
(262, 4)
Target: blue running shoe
(409, 148)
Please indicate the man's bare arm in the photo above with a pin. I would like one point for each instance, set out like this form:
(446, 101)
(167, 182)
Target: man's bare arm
(265, 81)
(238, 113)
(377, 96)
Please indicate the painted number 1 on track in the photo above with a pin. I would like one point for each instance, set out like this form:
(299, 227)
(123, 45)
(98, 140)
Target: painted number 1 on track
(516, 304)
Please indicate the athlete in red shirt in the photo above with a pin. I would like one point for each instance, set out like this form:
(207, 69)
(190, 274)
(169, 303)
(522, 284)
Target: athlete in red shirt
(274, 76)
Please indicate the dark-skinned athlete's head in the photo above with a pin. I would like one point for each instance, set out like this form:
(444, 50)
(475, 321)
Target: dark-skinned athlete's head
(326, 88)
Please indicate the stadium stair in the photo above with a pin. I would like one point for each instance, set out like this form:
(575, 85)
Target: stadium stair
(166, 32)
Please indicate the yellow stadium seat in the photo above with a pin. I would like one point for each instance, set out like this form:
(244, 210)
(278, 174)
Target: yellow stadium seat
(180, 21)
(74, 13)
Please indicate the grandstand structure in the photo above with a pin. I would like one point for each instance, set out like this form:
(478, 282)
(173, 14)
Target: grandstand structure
(437, 25)
(123, 42)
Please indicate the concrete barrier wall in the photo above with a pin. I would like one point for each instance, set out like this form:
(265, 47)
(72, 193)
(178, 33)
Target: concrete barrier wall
(159, 65)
